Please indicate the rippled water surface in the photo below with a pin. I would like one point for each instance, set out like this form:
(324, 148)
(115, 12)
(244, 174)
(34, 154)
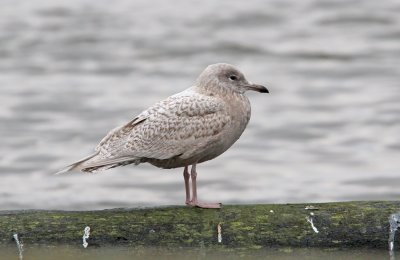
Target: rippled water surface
(328, 131)
(121, 253)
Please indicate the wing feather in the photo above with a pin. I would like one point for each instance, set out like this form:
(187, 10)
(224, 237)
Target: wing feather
(167, 129)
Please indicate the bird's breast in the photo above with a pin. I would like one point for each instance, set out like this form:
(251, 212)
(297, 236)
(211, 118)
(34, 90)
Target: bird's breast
(240, 112)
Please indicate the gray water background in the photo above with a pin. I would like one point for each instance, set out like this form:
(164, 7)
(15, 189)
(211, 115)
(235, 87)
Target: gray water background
(70, 71)
(121, 253)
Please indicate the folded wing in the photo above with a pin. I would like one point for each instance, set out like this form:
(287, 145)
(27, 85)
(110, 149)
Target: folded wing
(176, 126)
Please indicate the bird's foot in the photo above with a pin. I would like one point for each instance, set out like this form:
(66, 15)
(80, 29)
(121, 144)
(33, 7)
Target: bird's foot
(204, 205)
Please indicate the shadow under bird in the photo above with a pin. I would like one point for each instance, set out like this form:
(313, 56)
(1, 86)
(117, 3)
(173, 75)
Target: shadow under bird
(188, 128)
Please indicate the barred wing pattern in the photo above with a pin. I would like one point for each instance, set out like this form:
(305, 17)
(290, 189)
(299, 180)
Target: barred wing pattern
(179, 125)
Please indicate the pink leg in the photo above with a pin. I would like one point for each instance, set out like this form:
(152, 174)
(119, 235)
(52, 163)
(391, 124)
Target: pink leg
(187, 188)
(194, 201)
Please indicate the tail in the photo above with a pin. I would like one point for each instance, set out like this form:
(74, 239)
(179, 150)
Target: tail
(92, 164)
(77, 166)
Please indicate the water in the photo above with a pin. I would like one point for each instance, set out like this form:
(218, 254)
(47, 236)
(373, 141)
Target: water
(121, 253)
(72, 70)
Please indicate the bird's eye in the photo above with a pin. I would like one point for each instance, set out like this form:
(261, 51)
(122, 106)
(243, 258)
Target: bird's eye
(233, 77)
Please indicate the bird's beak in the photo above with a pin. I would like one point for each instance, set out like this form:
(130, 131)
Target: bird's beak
(258, 88)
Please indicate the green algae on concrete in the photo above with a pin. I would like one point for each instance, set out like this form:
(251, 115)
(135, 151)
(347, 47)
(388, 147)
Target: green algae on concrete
(342, 224)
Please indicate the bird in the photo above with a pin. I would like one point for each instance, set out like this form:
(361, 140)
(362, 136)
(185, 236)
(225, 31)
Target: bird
(183, 130)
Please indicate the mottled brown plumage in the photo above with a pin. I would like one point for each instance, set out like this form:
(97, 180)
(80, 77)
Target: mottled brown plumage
(190, 127)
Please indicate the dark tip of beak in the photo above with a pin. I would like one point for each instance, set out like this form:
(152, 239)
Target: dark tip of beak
(258, 88)
(264, 90)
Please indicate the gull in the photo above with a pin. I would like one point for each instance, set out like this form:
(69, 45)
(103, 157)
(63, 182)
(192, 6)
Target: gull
(183, 130)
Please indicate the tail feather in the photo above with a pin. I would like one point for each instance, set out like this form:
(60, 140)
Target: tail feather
(77, 166)
(92, 164)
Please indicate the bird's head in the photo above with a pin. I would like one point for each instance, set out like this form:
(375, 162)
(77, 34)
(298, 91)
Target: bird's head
(225, 77)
